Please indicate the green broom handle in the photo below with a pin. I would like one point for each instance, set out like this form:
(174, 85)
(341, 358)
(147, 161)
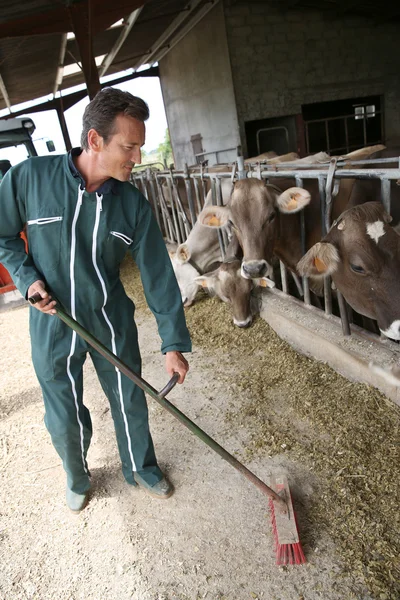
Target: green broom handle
(157, 396)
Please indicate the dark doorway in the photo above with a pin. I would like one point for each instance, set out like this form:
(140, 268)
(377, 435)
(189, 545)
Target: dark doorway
(278, 134)
(344, 125)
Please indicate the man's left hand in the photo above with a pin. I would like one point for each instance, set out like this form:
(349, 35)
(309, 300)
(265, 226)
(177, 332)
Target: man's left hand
(175, 362)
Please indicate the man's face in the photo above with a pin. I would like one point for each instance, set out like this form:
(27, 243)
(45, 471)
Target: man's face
(122, 151)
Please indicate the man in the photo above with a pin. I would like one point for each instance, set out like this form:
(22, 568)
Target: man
(81, 216)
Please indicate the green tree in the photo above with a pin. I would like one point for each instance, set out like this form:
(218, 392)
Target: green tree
(164, 150)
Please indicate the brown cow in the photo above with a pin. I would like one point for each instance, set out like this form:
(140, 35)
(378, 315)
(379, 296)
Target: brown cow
(361, 253)
(264, 221)
(227, 283)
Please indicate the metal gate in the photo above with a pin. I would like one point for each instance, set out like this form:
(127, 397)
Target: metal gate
(177, 197)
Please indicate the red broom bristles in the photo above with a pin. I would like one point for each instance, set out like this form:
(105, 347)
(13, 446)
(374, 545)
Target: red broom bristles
(289, 553)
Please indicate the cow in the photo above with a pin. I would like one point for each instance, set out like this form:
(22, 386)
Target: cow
(227, 283)
(369, 190)
(264, 220)
(200, 252)
(361, 253)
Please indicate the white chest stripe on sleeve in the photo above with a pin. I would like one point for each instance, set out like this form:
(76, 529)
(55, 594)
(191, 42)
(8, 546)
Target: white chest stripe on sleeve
(73, 314)
(122, 237)
(113, 344)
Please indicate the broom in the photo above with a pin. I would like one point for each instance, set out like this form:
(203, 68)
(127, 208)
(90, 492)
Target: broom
(287, 543)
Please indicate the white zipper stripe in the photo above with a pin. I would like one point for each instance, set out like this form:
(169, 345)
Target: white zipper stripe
(113, 345)
(44, 220)
(73, 314)
(122, 237)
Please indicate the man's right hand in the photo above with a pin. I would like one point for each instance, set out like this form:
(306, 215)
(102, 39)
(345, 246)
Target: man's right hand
(46, 305)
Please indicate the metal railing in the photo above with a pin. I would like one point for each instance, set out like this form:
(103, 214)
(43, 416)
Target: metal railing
(345, 120)
(177, 197)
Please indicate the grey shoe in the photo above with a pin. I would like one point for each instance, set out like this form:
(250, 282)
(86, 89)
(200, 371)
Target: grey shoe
(163, 489)
(76, 502)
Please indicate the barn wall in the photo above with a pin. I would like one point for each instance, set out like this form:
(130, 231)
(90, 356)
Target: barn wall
(197, 87)
(281, 60)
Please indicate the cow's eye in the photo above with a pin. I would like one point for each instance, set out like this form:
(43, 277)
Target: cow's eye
(271, 217)
(357, 269)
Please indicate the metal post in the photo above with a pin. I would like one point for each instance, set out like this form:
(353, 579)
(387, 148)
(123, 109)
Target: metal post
(165, 214)
(306, 286)
(242, 174)
(182, 218)
(284, 277)
(154, 197)
(327, 280)
(220, 202)
(214, 201)
(189, 194)
(174, 215)
(197, 193)
(343, 314)
(385, 194)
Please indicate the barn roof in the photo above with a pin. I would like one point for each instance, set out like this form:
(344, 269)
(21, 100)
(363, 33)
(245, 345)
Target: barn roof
(37, 50)
(36, 40)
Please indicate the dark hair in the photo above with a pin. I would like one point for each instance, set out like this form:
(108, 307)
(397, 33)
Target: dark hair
(100, 113)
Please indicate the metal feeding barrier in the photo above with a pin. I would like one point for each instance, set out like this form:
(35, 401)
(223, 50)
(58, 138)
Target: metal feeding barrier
(177, 198)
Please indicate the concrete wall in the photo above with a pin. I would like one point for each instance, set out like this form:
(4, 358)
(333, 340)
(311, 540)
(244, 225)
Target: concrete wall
(281, 60)
(197, 87)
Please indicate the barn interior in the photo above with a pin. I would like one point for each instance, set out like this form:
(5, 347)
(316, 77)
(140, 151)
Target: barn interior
(248, 77)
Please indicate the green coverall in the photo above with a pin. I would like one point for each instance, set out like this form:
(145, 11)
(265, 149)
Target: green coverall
(77, 241)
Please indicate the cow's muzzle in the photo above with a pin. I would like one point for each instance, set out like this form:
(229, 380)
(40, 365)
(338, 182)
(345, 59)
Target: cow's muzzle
(393, 331)
(252, 269)
(243, 324)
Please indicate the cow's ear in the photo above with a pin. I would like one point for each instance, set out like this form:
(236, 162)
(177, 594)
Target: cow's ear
(264, 282)
(214, 216)
(183, 254)
(293, 200)
(322, 259)
(207, 282)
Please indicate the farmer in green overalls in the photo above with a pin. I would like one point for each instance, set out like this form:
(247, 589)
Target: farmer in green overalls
(82, 215)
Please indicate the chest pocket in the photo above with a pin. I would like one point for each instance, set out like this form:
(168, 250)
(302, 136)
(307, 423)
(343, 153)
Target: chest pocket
(44, 240)
(115, 249)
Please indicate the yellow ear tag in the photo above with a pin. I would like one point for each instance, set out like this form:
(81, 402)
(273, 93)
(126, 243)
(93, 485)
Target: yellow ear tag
(320, 265)
(292, 204)
(214, 221)
(263, 283)
(203, 283)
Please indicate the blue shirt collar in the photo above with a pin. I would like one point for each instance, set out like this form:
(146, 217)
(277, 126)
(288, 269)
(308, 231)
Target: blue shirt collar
(108, 187)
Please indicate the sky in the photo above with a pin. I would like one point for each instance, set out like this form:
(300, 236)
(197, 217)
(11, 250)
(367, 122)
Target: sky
(48, 128)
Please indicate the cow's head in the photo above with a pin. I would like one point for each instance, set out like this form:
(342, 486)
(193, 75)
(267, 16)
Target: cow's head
(253, 212)
(361, 252)
(227, 283)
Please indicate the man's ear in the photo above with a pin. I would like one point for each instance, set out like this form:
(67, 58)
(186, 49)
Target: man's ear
(321, 259)
(95, 141)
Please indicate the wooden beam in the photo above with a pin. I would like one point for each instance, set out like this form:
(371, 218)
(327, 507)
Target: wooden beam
(56, 20)
(71, 99)
(60, 67)
(81, 18)
(4, 93)
(63, 124)
(126, 28)
(155, 57)
(149, 57)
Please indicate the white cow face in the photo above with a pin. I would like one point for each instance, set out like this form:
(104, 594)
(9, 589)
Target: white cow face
(186, 275)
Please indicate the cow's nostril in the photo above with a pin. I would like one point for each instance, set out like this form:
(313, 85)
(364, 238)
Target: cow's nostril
(255, 270)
